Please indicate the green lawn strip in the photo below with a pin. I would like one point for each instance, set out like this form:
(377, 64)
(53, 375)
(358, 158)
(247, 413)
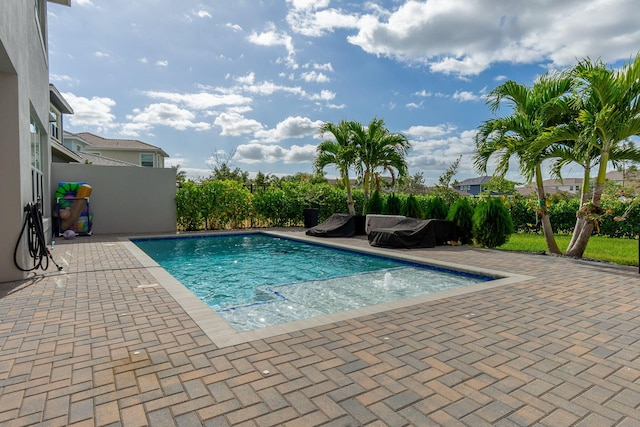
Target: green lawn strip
(619, 251)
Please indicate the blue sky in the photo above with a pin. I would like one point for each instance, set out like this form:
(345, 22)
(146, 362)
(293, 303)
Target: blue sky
(257, 78)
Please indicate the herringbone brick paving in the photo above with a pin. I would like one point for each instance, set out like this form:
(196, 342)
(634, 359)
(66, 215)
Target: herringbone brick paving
(95, 347)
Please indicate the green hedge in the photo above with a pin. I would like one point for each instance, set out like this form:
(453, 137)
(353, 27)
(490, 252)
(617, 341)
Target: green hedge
(215, 204)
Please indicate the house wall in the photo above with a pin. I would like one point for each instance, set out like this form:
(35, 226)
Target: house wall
(125, 156)
(125, 199)
(24, 92)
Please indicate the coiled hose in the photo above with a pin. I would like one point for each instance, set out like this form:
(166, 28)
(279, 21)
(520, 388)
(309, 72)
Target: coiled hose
(36, 241)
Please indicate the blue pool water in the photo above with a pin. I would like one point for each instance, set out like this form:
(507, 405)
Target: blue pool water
(257, 280)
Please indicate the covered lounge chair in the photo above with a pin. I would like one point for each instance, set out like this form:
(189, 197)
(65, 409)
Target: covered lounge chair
(337, 225)
(414, 233)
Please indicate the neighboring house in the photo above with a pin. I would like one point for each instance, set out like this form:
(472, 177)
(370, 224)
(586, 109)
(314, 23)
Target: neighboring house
(95, 159)
(531, 189)
(473, 186)
(126, 150)
(567, 185)
(624, 178)
(25, 105)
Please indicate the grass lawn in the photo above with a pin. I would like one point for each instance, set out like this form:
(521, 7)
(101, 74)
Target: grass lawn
(619, 251)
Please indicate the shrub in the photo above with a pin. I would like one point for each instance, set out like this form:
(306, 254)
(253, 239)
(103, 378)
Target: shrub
(271, 206)
(374, 204)
(461, 214)
(436, 208)
(411, 208)
(523, 215)
(393, 205)
(563, 215)
(188, 198)
(492, 224)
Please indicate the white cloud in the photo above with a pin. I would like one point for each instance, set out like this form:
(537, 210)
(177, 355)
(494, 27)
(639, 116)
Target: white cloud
(163, 114)
(202, 14)
(324, 95)
(176, 160)
(200, 101)
(99, 54)
(94, 112)
(63, 78)
(246, 79)
(424, 132)
(423, 93)
(234, 124)
(324, 67)
(83, 2)
(259, 153)
(413, 106)
(143, 60)
(272, 37)
(465, 38)
(162, 63)
(234, 27)
(269, 88)
(311, 18)
(465, 96)
(308, 4)
(291, 127)
(313, 76)
(438, 147)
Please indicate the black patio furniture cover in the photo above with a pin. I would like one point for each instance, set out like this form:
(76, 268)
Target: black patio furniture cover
(337, 225)
(414, 233)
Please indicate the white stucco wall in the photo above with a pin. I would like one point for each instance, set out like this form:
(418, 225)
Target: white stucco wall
(24, 88)
(125, 200)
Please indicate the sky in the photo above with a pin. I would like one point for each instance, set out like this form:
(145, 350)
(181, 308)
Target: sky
(211, 79)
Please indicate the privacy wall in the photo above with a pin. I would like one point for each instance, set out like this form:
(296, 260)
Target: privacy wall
(127, 200)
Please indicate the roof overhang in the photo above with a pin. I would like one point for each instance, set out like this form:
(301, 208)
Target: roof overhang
(64, 153)
(58, 100)
(62, 2)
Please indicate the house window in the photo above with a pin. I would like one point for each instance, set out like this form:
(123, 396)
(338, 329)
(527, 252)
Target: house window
(54, 132)
(39, 7)
(146, 160)
(36, 144)
(37, 178)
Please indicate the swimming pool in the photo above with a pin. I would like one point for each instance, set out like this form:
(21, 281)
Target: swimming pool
(257, 280)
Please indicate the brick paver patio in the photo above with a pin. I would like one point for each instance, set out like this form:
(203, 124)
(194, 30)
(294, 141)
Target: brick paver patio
(104, 344)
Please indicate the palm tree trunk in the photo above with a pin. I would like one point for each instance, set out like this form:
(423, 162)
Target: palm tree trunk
(590, 211)
(350, 203)
(547, 229)
(580, 220)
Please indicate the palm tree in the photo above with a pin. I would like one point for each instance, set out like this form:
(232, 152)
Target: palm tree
(534, 109)
(607, 107)
(341, 153)
(379, 150)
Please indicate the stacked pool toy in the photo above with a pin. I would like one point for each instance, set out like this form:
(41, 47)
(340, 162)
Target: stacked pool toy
(73, 208)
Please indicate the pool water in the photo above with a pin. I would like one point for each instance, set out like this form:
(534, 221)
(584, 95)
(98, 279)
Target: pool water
(256, 280)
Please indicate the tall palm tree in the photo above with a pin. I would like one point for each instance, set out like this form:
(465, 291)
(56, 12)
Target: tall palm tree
(607, 106)
(340, 152)
(534, 109)
(379, 150)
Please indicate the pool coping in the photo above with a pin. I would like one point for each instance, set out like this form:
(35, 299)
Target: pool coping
(224, 335)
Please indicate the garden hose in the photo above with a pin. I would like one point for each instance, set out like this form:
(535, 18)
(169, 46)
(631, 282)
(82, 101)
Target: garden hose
(36, 241)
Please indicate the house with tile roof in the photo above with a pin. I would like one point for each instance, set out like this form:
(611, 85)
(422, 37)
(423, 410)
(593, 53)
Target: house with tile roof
(473, 186)
(129, 151)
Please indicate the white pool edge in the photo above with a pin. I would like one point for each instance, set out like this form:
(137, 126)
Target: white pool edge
(224, 335)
